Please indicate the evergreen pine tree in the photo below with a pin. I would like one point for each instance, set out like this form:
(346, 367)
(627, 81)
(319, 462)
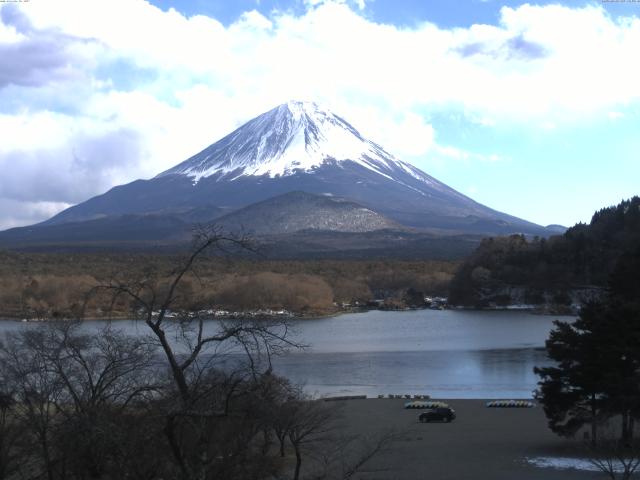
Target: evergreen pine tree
(597, 371)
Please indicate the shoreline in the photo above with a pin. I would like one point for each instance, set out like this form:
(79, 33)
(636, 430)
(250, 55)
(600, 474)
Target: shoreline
(258, 315)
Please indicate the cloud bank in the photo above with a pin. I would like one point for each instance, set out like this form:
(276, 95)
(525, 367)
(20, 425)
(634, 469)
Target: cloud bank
(94, 93)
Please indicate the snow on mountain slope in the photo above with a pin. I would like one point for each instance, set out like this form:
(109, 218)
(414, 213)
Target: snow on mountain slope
(294, 137)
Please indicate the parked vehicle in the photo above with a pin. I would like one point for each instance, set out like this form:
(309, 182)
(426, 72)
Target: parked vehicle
(438, 414)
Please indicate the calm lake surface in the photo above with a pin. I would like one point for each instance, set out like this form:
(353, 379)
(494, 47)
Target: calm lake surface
(443, 353)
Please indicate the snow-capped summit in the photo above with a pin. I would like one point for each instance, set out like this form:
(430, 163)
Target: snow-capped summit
(293, 137)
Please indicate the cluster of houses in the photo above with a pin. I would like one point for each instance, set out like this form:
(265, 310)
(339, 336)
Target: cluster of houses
(219, 313)
(434, 303)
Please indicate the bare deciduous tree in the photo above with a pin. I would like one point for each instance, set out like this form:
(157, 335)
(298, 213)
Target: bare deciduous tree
(210, 395)
(347, 456)
(9, 435)
(72, 389)
(615, 457)
(26, 373)
(310, 423)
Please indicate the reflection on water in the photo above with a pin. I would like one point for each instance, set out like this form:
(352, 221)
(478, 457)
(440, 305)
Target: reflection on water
(420, 330)
(454, 354)
(447, 354)
(443, 374)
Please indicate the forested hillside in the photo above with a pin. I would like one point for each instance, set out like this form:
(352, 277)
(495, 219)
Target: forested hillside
(55, 285)
(557, 271)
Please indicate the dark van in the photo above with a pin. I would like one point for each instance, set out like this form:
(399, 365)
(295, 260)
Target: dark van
(438, 414)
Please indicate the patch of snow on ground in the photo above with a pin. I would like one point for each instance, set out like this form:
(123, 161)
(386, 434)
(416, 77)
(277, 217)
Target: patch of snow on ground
(566, 463)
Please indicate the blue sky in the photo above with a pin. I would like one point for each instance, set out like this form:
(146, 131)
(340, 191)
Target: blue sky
(529, 108)
(455, 13)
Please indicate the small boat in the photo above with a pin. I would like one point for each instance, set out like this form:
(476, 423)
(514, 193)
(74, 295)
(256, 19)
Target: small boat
(419, 404)
(510, 404)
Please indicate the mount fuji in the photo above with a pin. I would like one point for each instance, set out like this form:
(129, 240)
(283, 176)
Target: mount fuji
(295, 147)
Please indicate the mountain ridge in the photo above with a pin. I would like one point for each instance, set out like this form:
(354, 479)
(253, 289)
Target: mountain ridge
(295, 147)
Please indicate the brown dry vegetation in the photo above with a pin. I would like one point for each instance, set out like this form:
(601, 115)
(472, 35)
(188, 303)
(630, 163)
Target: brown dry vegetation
(56, 285)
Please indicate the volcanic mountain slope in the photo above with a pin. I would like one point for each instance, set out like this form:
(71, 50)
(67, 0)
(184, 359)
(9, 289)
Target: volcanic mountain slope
(122, 231)
(299, 146)
(299, 211)
(285, 214)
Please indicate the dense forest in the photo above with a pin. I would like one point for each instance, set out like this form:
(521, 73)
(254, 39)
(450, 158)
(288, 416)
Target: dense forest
(56, 285)
(559, 271)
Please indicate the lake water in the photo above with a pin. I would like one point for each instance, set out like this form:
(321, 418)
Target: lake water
(443, 353)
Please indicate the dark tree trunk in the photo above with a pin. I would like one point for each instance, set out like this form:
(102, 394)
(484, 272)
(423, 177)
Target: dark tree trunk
(266, 442)
(176, 371)
(296, 474)
(594, 419)
(47, 457)
(169, 431)
(625, 426)
(281, 440)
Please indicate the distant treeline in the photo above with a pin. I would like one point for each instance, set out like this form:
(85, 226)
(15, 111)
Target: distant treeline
(56, 285)
(513, 269)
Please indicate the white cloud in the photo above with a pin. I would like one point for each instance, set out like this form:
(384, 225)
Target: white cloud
(16, 213)
(545, 66)
(65, 160)
(449, 152)
(528, 65)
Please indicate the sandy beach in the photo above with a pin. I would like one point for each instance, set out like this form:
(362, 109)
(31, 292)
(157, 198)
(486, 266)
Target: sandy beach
(482, 443)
